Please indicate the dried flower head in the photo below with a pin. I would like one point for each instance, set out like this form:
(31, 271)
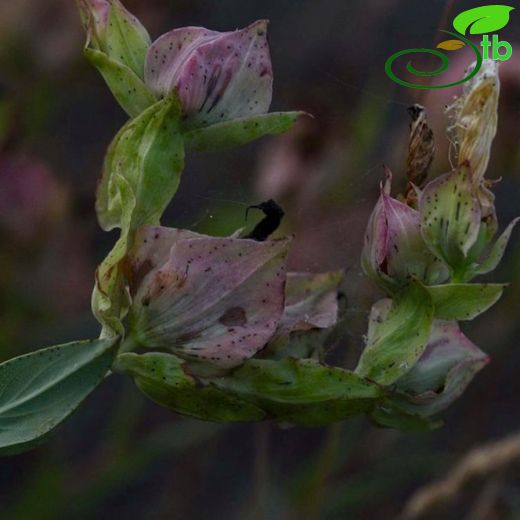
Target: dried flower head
(473, 118)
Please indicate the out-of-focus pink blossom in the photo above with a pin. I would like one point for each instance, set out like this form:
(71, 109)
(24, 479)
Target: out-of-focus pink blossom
(31, 197)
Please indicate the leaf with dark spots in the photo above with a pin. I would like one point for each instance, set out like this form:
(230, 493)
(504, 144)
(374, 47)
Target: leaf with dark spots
(162, 378)
(451, 217)
(240, 131)
(225, 295)
(394, 250)
(301, 391)
(398, 332)
(211, 72)
(142, 168)
(464, 301)
(128, 89)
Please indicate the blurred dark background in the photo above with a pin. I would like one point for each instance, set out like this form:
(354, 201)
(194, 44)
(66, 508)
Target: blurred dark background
(120, 455)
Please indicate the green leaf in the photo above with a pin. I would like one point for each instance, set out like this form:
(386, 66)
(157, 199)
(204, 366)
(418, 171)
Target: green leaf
(464, 301)
(240, 131)
(451, 218)
(496, 253)
(482, 20)
(126, 39)
(397, 335)
(142, 168)
(162, 378)
(110, 301)
(301, 391)
(41, 389)
(391, 416)
(128, 89)
(141, 174)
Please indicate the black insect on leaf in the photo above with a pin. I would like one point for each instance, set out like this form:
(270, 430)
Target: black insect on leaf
(270, 223)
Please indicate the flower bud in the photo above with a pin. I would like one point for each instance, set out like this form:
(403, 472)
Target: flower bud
(458, 223)
(94, 16)
(114, 31)
(450, 217)
(218, 75)
(443, 371)
(394, 250)
(458, 216)
(209, 299)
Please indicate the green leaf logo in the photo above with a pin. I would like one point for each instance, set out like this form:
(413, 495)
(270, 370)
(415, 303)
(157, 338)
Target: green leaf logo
(481, 20)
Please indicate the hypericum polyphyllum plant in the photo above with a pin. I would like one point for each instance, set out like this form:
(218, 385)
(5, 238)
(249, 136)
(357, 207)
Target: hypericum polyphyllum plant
(216, 328)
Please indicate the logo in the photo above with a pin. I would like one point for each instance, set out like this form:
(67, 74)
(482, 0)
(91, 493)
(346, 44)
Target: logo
(480, 20)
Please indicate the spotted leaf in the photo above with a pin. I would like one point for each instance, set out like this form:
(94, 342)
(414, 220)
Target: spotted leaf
(397, 335)
(451, 217)
(239, 131)
(215, 300)
(218, 76)
(163, 378)
(464, 301)
(302, 391)
(394, 249)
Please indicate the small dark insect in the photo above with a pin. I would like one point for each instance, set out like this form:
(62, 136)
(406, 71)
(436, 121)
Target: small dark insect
(270, 223)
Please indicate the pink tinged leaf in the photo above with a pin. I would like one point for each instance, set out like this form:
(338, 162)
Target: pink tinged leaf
(217, 300)
(407, 253)
(394, 248)
(444, 370)
(152, 246)
(403, 238)
(219, 76)
(169, 53)
(311, 302)
(94, 16)
(376, 241)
